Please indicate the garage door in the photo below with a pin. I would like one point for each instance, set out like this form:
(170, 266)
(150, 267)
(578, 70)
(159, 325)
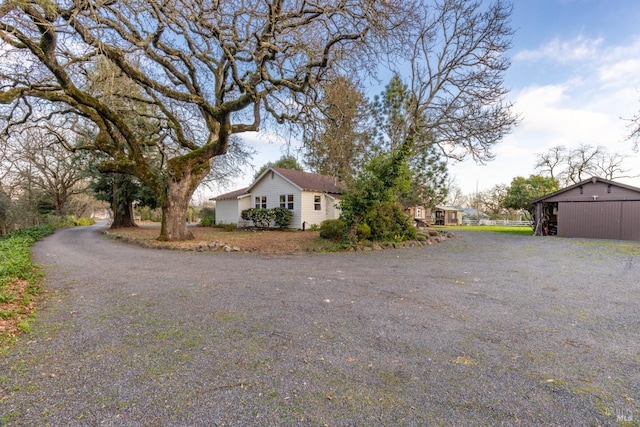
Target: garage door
(600, 220)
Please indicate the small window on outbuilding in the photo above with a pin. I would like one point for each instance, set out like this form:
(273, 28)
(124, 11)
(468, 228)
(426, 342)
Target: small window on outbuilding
(317, 203)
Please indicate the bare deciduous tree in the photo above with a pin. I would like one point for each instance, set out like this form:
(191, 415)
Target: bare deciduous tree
(457, 54)
(52, 169)
(570, 166)
(491, 201)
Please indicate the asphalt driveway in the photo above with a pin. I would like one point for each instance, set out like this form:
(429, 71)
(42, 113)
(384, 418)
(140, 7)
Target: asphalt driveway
(483, 329)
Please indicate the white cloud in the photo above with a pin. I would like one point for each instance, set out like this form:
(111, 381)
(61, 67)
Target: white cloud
(563, 51)
(621, 73)
(554, 115)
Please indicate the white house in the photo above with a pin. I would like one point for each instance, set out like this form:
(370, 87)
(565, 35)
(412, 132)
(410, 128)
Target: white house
(311, 197)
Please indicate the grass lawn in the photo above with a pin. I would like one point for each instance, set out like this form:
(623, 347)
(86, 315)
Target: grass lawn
(527, 231)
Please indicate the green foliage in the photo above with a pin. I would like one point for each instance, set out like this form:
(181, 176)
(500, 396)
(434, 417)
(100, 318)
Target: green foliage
(121, 191)
(84, 222)
(15, 264)
(389, 223)
(148, 214)
(337, 142)
(384, 178)
(523, 190)
(15, 256)
(208, 211)
(261, 218)
(394, 114)
(282, 217)
(332, 229)
(363, 232)
(245, 214)
(525, 230)
(207, 221)
(67, 221)
(229, 227)
(314, 227)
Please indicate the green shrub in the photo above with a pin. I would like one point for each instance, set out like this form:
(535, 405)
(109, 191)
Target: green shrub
(246, 214)
(363, 232)
(282, 217)
(332, 229)
(84, 222)
(230, 227)
(389, 223)
(260, 217)
(314, 227)
(15, 253)
(207, 211)
(148, 214)
(207, 221)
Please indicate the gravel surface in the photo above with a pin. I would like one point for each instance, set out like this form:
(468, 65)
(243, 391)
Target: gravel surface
(483, 329)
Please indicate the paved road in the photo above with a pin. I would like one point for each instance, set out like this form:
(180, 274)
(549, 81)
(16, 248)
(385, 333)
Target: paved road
(484, 329)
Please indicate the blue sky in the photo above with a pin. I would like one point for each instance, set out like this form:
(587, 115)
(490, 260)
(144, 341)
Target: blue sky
(575, 75)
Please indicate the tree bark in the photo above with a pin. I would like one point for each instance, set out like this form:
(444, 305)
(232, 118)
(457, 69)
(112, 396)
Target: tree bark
(121, 206)
(175, 206)
(123, 216)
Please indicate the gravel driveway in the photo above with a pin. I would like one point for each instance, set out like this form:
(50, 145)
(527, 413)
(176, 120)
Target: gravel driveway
(483, 329)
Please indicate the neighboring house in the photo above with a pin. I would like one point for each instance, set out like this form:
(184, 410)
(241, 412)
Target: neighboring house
(421, 215)
(447, 215)
(311, 197)
(595, 208)
(471, 215)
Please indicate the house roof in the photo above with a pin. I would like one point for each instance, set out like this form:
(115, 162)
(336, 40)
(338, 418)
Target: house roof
(306, 181)
(591, 180)
(232, 195)
(449, 208)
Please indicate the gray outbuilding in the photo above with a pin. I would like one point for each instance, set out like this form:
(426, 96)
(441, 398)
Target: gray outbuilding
(595, 208)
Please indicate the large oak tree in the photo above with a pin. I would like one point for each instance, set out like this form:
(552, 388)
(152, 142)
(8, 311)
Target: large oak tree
(206, 69)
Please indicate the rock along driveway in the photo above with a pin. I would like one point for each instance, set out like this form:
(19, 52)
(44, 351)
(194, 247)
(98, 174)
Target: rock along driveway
(484, 329)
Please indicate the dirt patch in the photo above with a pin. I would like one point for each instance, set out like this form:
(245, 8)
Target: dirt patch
(253, 240)
(264, 241)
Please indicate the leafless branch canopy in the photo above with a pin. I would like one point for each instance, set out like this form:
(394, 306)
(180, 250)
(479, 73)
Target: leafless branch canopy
(458, 63)
(207, 69)
(570, 166)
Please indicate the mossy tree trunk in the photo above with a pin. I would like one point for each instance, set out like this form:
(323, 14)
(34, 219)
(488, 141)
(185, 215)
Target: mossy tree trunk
(178, 193)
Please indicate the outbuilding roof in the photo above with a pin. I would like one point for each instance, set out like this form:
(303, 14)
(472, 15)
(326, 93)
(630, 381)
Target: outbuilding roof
(232, 195)
(592, 180)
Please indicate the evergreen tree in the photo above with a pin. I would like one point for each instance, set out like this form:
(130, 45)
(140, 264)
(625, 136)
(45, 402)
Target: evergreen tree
(338, 141)
(284, 162)
(394, 119)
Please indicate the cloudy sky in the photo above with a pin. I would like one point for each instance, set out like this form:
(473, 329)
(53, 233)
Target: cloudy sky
(574, 78)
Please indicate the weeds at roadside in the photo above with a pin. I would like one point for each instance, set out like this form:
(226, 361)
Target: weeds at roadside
(19, 282)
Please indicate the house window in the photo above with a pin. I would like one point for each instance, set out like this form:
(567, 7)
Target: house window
(286, 201)
(418, 213)
(317, 204)
(261, 202)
